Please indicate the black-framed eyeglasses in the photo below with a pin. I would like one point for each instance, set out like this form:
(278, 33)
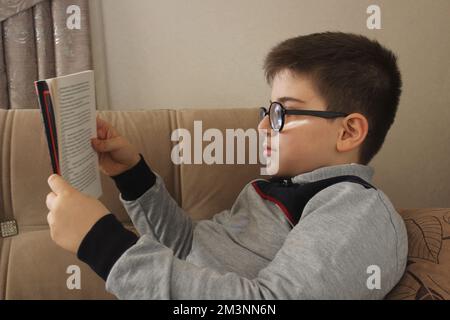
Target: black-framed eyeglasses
(277, 113)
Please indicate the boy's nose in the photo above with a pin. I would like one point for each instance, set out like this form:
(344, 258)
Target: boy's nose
(264, 129)
(264, 124)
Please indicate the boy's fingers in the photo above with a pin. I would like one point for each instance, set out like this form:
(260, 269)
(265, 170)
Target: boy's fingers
(107, 145)
(50, 218)
(105, 129)
(102, 124)
(49, 200)
(102, 128)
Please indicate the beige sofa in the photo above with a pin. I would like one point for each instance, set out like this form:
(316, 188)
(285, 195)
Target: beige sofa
(33, 267)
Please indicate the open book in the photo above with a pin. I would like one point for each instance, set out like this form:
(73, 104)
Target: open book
(68, 111)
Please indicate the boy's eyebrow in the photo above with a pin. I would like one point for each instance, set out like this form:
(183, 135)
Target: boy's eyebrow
(286, 99)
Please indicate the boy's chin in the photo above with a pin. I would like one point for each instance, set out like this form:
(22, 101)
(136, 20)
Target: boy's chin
(273, 170)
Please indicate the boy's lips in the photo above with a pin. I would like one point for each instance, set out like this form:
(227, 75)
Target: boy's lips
(267, 150)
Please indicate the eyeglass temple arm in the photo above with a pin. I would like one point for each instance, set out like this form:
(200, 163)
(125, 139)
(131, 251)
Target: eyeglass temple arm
(324, 114)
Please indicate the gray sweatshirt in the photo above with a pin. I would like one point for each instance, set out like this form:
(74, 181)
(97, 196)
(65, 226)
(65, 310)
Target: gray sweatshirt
(346, 241)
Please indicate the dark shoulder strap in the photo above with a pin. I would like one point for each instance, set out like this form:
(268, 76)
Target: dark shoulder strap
(293, 197)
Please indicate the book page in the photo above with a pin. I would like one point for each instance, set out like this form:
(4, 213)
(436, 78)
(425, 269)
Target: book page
(74, 97)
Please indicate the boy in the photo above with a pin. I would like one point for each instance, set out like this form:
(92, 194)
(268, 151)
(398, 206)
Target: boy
(316, 230)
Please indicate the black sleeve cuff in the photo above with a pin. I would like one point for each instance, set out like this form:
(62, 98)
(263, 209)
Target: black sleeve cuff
(135, 181)
(104, 244)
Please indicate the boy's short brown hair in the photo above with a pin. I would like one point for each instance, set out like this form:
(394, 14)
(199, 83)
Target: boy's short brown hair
(351, 72)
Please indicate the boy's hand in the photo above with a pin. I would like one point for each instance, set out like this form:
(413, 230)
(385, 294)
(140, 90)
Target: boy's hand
(72, 213)
(116, 153)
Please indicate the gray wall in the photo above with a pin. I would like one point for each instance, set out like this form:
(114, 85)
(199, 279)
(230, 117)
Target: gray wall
(209, 54)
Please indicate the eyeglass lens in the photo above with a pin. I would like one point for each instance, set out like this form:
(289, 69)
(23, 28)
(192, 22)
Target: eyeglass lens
(276, 116)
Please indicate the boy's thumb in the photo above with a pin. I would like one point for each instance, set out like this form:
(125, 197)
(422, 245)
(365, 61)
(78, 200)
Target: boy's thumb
(57, 183)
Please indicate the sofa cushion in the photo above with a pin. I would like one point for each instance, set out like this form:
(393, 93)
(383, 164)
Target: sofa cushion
(37, 269)
(427, 273)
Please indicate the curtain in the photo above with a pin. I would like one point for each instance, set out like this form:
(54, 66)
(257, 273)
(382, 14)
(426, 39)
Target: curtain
(38, 40)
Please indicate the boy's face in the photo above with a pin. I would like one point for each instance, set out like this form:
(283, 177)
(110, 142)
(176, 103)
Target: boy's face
(305, 142)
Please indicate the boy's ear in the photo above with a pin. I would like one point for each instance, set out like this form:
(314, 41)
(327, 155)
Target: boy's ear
(352, 132)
